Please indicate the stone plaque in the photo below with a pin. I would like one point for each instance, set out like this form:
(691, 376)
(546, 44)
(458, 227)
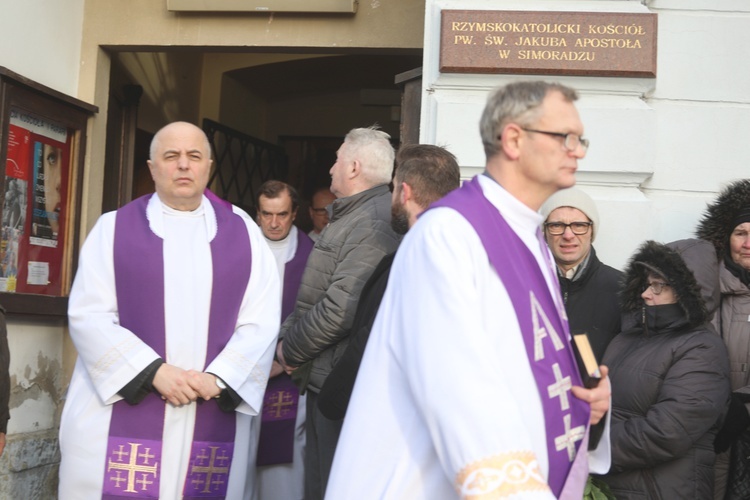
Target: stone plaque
(548, 43)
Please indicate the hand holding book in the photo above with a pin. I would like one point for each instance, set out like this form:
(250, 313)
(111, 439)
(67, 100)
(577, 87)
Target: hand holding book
(587, 363)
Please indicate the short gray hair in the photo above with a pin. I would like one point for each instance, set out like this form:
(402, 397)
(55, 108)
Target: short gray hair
(516, 102)
(373, 149)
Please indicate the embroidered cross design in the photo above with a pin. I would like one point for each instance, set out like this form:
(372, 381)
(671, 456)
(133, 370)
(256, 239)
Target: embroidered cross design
(279, 404)
(120, 452)
(568, 440)
(211, 469)
(560, 388)
(146, 456)
(132, 468)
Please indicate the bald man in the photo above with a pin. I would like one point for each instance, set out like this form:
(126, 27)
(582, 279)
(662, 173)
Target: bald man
(174, 312)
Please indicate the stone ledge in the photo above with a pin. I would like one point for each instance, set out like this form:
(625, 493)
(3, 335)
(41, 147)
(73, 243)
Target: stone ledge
(29, 451)
(39, 482)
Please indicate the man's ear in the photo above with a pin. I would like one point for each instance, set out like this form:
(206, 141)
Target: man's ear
(510, 141)
(406, 193)
(355, 169)
(150, 168)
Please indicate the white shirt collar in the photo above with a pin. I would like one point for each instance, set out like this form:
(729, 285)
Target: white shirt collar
(516, 213)
(156, 210)
(284, 250)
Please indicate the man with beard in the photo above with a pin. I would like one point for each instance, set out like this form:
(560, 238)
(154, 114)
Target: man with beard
(424, 174)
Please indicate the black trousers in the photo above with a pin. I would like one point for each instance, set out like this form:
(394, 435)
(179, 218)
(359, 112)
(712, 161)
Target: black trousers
(322, 436)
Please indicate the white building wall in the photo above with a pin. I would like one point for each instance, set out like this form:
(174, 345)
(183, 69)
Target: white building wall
(40, 40)
(661, 148)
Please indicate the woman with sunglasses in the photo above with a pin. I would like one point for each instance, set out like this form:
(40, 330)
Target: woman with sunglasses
(669, 373)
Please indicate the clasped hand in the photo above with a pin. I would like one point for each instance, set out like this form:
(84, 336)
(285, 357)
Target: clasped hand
(180, 387)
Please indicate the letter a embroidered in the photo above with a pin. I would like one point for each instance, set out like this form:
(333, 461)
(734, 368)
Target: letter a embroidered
(547, 330)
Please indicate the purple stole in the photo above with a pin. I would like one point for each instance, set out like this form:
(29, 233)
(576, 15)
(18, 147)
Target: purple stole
(293, 274)
(544, 327)
(281, 399)
(134, 446)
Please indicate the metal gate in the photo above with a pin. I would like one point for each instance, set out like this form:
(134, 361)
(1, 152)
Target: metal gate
(241, 164)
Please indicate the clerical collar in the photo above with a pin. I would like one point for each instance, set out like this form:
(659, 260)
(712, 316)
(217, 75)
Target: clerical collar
(515, 209)
(198, 212)
(157, 210)
(284, 250)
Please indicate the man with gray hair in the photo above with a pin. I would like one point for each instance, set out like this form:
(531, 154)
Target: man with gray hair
(358, 236)
(468, 387)
(589, 288)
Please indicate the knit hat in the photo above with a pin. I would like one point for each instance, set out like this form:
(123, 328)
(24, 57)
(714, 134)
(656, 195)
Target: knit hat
(573, 198)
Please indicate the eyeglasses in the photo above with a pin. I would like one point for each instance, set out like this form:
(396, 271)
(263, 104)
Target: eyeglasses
(570, 141)
(558, 228)
(656, 286)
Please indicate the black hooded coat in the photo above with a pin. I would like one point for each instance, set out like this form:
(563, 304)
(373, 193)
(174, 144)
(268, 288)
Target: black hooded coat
(670, 378)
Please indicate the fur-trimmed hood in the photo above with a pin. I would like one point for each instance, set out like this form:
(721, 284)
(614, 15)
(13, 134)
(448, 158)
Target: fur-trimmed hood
(716, 224)
(653, 257)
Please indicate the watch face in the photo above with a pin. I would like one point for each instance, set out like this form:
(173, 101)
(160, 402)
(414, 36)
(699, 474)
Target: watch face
(221, 383)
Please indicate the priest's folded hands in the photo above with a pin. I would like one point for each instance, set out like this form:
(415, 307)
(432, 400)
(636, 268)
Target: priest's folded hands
(178, 386)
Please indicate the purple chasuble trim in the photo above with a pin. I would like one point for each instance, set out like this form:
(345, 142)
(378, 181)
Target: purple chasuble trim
(293, 274)
(278, 421)
(281, 400)
(543, 325)
(135, 440)
(214, 198)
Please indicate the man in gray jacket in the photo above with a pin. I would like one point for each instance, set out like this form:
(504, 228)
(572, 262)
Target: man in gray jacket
(357, 237)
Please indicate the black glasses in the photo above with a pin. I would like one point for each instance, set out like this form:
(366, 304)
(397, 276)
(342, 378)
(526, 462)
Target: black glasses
(656, 286)
(558, 228)
(570, 141)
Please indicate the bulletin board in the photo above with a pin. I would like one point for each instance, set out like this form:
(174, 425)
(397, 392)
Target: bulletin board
(35, 207)
(41, 147)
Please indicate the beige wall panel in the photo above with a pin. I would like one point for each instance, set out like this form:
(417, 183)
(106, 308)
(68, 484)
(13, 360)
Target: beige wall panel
(377, 23)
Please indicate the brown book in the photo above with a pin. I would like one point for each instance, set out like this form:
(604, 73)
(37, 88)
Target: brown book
(587, 363)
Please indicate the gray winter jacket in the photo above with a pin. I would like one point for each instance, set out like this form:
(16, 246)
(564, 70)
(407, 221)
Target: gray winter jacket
(732, 322)
(357, 237)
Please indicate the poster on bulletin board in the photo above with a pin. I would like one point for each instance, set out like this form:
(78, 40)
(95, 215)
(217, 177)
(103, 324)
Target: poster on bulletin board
(34, 212)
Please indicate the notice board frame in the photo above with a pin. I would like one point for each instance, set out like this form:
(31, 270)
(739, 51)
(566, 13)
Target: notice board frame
(34, 107)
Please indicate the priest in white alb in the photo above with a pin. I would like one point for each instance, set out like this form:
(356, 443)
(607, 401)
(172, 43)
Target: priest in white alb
(174, 313)
(468, 387)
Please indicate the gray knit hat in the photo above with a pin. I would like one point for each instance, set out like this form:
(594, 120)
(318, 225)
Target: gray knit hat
(574, 198)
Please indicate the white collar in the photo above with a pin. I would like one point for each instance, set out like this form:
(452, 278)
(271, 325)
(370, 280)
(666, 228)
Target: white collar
(156, 210)
(284, 250)
(516, 213)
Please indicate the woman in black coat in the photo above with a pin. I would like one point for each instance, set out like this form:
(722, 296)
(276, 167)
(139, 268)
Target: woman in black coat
(670, 379)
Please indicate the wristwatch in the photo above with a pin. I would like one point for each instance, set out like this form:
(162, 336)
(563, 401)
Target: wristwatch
(220, 383)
